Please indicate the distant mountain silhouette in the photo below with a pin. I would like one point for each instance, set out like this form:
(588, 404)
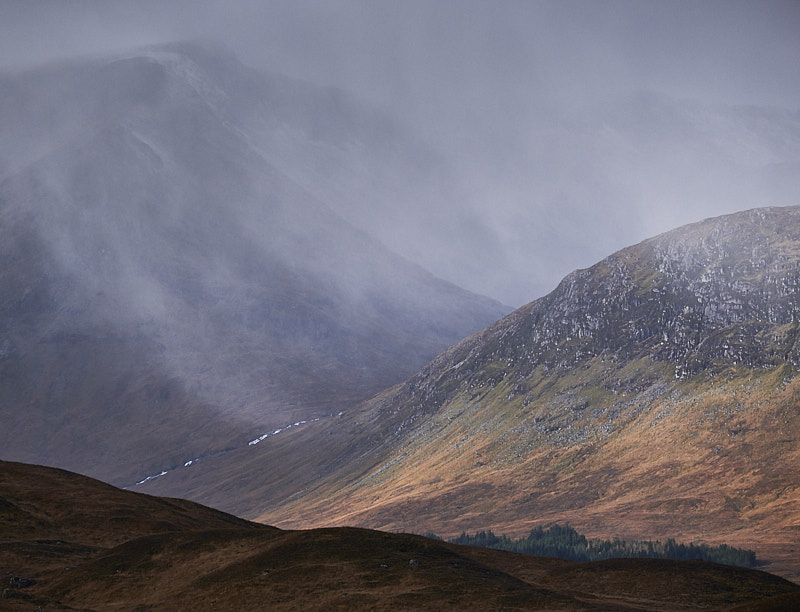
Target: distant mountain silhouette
(168, 293)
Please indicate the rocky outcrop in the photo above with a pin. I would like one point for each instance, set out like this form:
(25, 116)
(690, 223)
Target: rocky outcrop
(710, 295)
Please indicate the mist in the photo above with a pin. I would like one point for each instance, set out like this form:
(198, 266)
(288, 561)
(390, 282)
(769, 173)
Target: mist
(222, 219)
(548, 134)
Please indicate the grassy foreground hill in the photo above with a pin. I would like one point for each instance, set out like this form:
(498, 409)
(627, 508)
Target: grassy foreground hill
(71, 542)
(653, 395)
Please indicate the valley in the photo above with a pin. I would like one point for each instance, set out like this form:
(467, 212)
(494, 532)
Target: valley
(211, 290)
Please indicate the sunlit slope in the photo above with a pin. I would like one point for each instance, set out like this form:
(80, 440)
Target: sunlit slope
(652, 395)
(167, 292)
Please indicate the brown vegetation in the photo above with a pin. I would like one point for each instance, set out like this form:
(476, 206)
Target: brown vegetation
(69, 542)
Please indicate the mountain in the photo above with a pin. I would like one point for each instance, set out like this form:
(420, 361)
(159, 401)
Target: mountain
(76, 543)
(168, 293)
(652, 395)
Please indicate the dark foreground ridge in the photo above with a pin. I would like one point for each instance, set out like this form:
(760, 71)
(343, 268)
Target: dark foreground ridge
(70, 542)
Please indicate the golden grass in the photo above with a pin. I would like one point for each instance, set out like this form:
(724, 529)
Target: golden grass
(711, 461)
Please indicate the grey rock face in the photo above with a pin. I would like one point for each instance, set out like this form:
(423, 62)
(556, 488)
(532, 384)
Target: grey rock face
(722, 292)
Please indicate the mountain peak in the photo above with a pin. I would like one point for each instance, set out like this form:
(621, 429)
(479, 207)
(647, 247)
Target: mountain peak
(722, 292)
(695, 297)
(198, 49)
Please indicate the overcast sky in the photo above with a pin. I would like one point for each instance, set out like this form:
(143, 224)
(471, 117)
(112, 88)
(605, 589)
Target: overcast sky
(475, 79)
(414, 51)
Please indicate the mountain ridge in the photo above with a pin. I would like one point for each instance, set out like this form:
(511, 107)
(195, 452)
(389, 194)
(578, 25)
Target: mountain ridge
(648, 386)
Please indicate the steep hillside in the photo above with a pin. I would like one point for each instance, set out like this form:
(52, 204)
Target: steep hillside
(652, 395)
(167, 292)
(70, 542)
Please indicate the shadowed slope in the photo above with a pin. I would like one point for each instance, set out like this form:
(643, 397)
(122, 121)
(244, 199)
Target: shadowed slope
(67, 541)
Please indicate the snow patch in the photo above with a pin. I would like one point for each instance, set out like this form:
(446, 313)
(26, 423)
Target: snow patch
(263, 437)
(152, 477)
(260, 438)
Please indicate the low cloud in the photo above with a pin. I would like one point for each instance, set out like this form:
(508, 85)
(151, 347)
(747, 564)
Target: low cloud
(567, 129)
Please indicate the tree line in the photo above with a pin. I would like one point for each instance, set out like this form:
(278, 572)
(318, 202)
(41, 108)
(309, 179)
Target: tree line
(564, 542)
